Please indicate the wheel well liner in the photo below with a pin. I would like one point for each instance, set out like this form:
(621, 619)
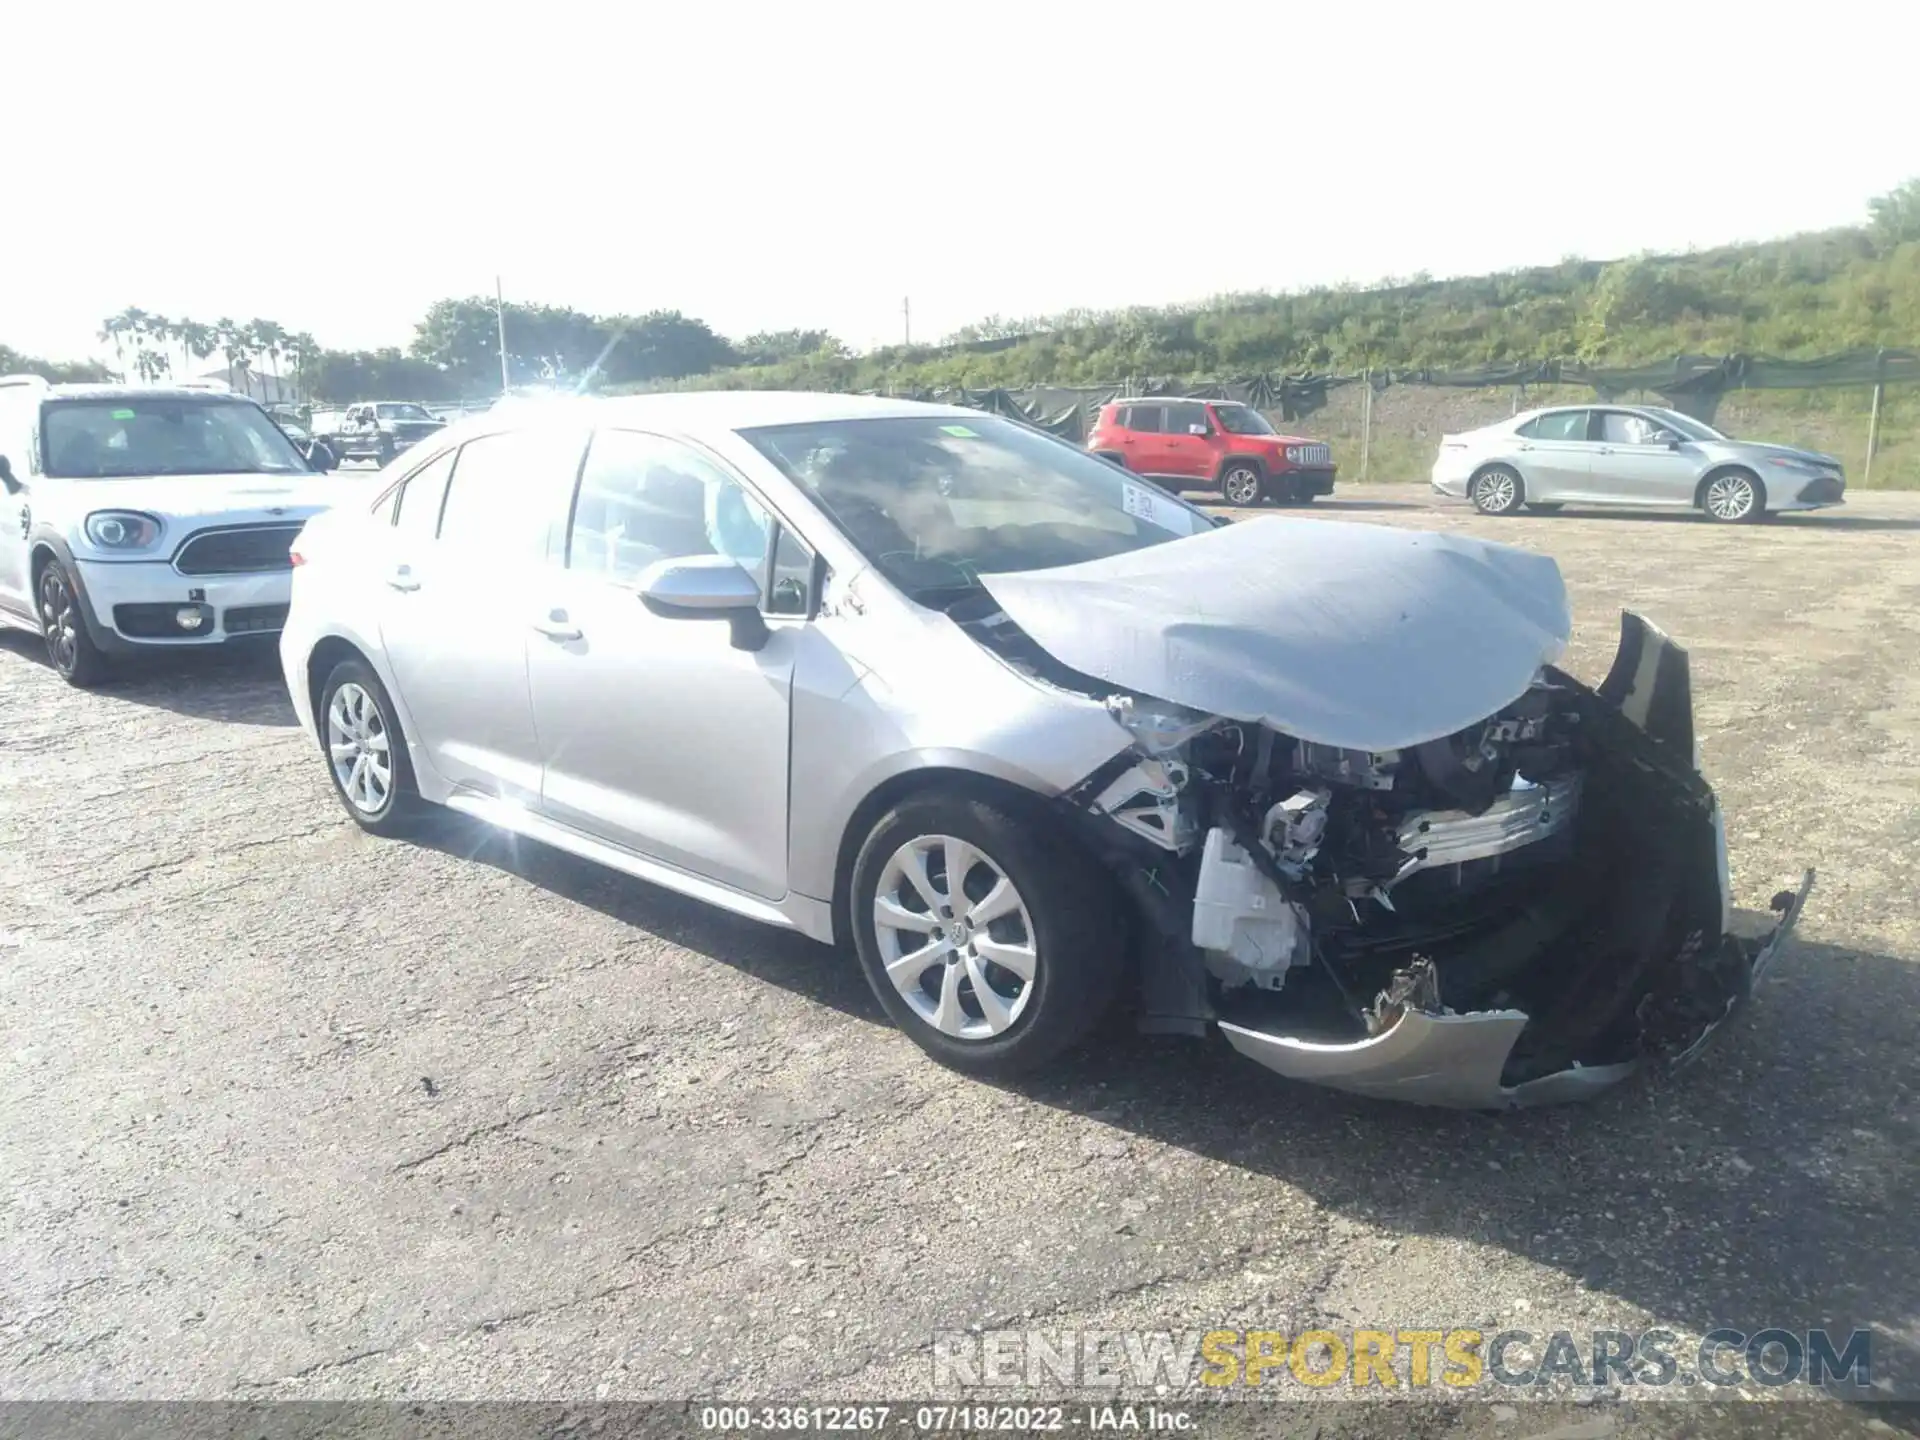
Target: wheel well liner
(320, 664)
(890, 792)
(1228, 461)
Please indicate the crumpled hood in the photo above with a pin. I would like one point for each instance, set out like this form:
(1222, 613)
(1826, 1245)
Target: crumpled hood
(1361, 636)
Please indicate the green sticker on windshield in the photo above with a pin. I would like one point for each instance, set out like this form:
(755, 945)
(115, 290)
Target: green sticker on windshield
(123, 414)
(961, 431)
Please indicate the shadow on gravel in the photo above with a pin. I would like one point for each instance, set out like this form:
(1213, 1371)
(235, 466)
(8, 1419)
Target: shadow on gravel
(239, 687)
(1793, 520)
(1769, 1184)
(824, 974)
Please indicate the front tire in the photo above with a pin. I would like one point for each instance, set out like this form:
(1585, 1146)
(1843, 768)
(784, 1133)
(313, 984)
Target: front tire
(63, 624)
(1241, 483)
(1733, 498)
(1497, 490)
(992, 941)
(366, 750)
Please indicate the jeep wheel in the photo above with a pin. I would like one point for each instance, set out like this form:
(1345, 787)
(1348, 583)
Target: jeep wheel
(1241, 483)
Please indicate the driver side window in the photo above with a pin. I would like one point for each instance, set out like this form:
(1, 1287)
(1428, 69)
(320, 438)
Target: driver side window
(644, 498)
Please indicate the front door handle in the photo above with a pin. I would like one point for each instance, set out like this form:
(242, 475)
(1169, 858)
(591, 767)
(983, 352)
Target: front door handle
(402, 578)
(556, 626)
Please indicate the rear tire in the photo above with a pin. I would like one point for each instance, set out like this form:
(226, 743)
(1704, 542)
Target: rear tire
(63, 625)
(1497, 490)
(1028, 901)
(1242, 483)
(366, 751)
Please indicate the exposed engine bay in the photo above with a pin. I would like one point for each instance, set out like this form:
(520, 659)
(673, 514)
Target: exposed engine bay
(1556, 870)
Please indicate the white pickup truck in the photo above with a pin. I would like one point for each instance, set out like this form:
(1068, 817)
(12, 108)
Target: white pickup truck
(375, 430)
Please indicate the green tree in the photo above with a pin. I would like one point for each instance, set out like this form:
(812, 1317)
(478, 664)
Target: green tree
(1894, 218)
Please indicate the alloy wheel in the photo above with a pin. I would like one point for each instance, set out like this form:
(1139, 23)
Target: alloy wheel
(1731, 497)
(955, 937)
(59, 619)
(1241, 486)
(1496, 492)
(359, 749)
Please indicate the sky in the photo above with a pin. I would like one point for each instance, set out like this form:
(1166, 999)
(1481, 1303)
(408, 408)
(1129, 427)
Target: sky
(338, 167)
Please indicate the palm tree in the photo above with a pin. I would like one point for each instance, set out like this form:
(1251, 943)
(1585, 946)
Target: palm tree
(156, 330)
(269, 338)
(197, 341)
(122, 329)
(233, 341)
(304, 351)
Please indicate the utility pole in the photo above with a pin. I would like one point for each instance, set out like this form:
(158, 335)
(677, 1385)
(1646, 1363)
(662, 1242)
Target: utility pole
(906, 318)
(500, 319)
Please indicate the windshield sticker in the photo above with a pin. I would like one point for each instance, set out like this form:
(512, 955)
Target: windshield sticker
(1137, 501)
(123, 414)
(960, 432)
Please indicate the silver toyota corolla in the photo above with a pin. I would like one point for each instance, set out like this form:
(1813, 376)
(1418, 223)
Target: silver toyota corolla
(1036, 737)
(1630, 455)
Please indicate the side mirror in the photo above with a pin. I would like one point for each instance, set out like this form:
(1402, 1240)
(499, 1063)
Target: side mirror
(706, 587)
(12, 485)
(1674, 442)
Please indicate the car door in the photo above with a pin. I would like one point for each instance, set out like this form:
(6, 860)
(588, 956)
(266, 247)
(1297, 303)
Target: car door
(1189, 456)
(461, 588)
(16, 443)
(1554, 455)
(1145, 445)
(1636, 461)
(659, 736)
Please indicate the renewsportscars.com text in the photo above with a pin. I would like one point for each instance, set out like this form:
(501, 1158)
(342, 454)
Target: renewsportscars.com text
(1383, 1359)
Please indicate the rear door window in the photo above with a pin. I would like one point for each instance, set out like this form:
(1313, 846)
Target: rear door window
(1560, 425)
(503, 491)
(1181, 417)
(1145, 417)
(416, 504)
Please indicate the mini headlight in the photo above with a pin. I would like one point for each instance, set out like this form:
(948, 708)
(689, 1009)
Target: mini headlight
(122, 529)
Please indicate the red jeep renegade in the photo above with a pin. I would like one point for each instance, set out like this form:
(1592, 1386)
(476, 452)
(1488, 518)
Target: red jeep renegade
(1196, 444)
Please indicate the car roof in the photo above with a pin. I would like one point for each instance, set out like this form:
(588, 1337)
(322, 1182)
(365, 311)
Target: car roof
(1526, 415)
(141, 392)
(710, 410)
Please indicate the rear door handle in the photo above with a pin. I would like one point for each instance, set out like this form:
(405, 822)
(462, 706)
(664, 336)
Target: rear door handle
(556, 626)
(402, 578)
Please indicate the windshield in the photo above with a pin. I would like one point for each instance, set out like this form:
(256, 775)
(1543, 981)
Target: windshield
(163, 435)
(935, 502)
(402, 412)
(1685, 424)
(1242, 420)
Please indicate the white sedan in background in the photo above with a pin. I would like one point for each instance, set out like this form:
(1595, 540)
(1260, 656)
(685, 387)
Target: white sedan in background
(1630, 455)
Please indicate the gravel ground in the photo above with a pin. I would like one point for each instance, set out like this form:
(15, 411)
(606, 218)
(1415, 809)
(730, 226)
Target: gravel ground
(290, 1113)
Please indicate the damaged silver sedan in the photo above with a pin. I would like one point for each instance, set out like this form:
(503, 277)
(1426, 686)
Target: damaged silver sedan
(1039, 739)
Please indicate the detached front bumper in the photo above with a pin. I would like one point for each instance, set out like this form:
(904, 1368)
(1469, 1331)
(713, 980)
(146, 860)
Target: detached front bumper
(1434, 1056)
(1456, 1061)
(138, 606)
